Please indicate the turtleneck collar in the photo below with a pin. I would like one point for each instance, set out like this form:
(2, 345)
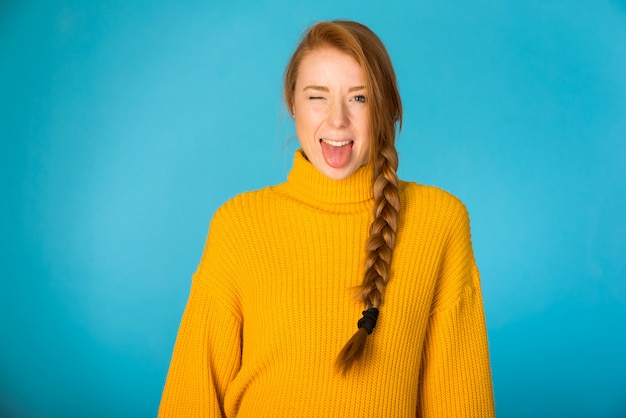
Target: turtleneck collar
(306, 184)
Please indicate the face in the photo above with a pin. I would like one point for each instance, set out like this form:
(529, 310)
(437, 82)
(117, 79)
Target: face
(331, 112)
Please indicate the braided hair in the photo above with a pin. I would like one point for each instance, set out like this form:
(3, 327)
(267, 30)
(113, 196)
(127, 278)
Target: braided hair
(385, 109)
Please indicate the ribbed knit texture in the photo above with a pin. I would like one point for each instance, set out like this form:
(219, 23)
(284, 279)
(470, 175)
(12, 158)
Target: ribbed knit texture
(273, 302)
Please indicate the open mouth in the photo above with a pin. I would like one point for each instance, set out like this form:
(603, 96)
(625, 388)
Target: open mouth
(336, 153)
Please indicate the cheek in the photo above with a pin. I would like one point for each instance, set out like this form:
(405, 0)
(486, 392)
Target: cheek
(304, 132)
(364, 128)
(365, 155)
(301, 126)
(362, 120)
(306, 124)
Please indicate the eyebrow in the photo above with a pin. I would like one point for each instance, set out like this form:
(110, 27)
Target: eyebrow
(326, 90)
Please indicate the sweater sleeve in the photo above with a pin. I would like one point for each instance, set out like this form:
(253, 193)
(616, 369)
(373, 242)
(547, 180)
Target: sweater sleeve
(207, 352)
(456, 377)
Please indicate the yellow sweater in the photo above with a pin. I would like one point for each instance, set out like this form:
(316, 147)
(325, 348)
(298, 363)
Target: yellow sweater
(272, 304)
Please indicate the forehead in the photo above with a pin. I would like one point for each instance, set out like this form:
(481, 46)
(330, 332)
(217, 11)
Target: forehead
(329, 67)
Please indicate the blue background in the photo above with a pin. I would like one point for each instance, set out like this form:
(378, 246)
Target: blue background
(124, 125)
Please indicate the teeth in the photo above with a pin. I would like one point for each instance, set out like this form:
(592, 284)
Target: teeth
(335, 143)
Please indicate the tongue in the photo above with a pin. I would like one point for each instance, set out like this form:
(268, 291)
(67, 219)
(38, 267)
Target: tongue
(336, 157)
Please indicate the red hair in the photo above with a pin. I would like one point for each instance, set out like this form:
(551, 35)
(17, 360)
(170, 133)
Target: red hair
(385, 109)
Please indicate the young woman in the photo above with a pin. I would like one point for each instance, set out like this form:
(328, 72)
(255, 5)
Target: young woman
(342, 292)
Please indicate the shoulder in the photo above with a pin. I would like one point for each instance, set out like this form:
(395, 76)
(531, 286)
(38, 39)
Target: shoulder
(430, 208)
(419, 197)
(243, 202)
(240, 210)
(233, 223)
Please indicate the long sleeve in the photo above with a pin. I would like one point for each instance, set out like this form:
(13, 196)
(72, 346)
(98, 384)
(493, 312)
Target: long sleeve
(272, 304)
(456, 376)
(207, 353)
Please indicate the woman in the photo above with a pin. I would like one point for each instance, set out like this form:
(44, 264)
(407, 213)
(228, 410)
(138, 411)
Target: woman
(273, 300)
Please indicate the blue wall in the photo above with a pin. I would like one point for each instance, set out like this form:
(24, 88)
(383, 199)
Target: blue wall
(124, 125)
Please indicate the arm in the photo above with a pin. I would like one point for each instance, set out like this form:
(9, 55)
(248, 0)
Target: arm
(207, 353)
(456, 377)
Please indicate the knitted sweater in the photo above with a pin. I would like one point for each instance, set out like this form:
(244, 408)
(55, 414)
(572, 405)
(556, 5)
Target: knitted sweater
(273, 302)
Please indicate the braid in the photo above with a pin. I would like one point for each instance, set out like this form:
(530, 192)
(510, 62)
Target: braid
(380, 245)
(385, 114)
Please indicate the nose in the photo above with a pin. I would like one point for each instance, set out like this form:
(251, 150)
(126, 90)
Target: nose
(338, 116)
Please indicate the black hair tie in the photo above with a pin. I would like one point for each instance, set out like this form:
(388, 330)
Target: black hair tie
(368, 322)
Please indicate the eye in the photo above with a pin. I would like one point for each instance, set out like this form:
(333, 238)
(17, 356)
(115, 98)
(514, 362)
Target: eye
(360, 98)
(315, 98)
